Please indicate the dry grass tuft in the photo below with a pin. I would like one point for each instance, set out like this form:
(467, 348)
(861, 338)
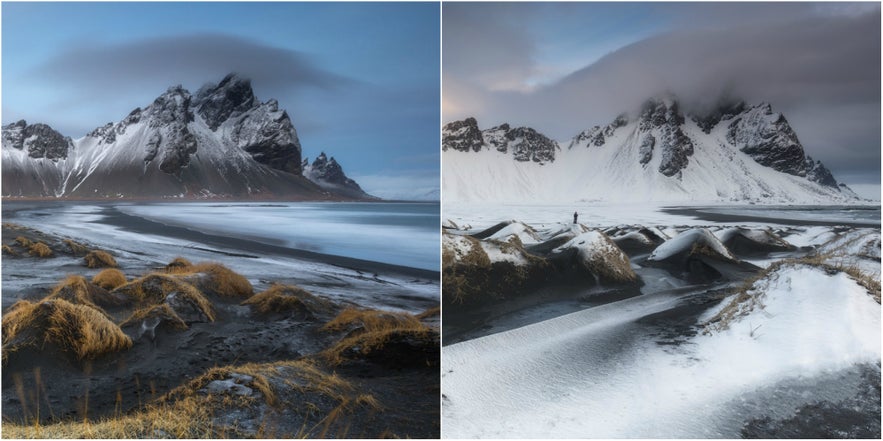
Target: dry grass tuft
(215, 278)
(178, 264)
(24, 241)
(39, 249)
(369, 332)
(75, 247)
(100, 259)
(9, 251)
(154, 289)
(79, 329)
(289, 299)
(184, 419)
(431, 312)
(109, 278)
(76, 290)
(163, 312)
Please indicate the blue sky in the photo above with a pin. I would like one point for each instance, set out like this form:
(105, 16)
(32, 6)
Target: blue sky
(359, 80)
(564, 67)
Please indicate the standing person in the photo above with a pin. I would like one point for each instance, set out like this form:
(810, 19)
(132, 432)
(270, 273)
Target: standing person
(574, 217)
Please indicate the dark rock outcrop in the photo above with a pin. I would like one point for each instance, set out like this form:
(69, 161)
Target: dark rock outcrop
(328, 173)
(664, 117)
(39, 140)
(462, 136)
(769, 139)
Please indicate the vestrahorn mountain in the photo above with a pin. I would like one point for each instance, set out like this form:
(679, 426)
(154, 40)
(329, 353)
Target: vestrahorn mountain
(221, 142)
(735, 153)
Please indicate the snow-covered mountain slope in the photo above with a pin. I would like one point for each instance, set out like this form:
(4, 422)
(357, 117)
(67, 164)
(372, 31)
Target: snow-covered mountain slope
(737, 153)
(220, 142)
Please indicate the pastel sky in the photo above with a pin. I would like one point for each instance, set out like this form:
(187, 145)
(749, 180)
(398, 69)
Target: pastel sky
(359, 80)
(564, 67)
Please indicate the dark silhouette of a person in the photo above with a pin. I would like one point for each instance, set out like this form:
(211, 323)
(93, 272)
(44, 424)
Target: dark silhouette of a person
(574, 217)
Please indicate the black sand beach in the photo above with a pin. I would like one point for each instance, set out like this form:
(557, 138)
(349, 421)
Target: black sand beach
(250, 372)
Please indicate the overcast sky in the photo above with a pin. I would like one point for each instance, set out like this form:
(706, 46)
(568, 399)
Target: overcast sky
(564, 67)
(359, 80)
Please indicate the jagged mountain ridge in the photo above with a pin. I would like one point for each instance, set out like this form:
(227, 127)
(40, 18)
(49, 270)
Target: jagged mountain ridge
(735, 153)
(220, 142)
(328, 174)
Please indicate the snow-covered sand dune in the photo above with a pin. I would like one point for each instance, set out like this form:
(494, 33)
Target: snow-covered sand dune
(599, 373)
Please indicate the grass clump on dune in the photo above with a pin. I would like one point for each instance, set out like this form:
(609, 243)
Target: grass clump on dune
(289, 299)
(39, 249)
(78, 329)
(178, 264)
(154, 289)
(164, 313)
(431, 312)
(217, 278)
(24, 241)
(370, 332)
(75, 247)
(181, 420)
(109, 278)
(77, 290)
(100, 259)
(8, 250)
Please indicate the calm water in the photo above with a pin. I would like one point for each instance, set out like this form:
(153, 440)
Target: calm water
(397, 233)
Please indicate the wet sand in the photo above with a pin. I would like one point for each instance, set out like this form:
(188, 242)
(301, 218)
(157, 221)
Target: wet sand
(701, 214)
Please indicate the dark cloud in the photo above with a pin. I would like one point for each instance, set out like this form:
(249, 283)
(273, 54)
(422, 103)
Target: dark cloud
(820, 66)
(189, 59)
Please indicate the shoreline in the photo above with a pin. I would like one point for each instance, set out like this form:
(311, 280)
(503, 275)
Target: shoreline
(698, 213)
(237, 246)
(115, 217)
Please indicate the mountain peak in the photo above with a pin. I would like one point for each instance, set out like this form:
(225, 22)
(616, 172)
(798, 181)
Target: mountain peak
(216, 103)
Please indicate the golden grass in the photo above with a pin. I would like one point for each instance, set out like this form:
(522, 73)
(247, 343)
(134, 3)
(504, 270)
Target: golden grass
(178, 264)
(185, 412)
(24, 241)
(100, 259)
(76, 290)
(153, 289)
(222, 280)
(39, 249)
(109, 278)
(184, 419)
(75, 247)
(9, 251)
(431, 312)
(287, 298)
(370, 330)
(163, 312)
(79, 329)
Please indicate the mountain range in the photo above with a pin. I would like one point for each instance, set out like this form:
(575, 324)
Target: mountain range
(221, 142)
(733, 153)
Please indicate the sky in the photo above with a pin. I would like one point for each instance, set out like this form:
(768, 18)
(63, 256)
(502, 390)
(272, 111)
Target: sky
(564, 67)
(360, 81)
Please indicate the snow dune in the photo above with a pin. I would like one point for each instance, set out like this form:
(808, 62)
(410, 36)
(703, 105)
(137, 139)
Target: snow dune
(598, 373)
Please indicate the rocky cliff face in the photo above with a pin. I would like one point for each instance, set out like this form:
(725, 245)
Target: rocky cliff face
(462, 136)
(38, 140)
(768, 138)
(220, 142)
(522, 143)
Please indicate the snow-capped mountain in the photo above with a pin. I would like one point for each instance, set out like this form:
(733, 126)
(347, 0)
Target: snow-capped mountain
(735, 153)
(220, 142)
(328, 174)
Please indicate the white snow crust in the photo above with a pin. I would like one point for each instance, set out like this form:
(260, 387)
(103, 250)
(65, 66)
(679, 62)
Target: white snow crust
(590, 374)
